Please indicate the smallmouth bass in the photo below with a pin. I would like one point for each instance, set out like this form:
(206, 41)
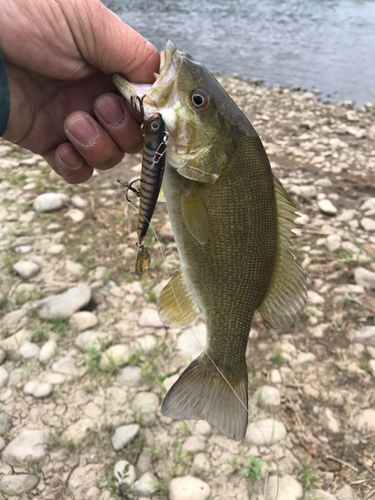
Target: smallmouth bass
(231, 219)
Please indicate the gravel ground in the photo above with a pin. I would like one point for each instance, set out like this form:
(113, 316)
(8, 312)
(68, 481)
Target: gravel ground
(85, 360)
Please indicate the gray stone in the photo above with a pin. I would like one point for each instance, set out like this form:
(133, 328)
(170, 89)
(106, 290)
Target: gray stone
(28, 446)
(64, 305)
(188, 488)
(368, 224)
(66, 366)
(48, 351)
(146, 343)
(92, 339)
(306, 192)
(346, 493)
(130, 376)
(327, 207)
(29, 350)
(4, 375)
(115, 355)
(320, 495)
(123, 435)
(18, 484)
(47, 202)
(144, 460)
(150, 317)
(333, 242)
(75, 269)
(16, 376)
(187, 343)
(124, 479)
(83, 320)
(26, 269)
(5, 423)
(265, 432)
(146, 485)
(364, 277)
(14, 319)
(268, 395)
(366, 336)
(145, 402)
(283, 488)
(365, 421)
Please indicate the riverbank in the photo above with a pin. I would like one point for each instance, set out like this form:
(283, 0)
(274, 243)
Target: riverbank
(82, 379)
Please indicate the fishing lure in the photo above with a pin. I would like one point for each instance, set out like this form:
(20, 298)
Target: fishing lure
(153, 164)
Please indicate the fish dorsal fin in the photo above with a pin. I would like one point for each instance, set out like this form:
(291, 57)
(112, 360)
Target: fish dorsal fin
(286, 294)
(194, 214)
(176, 305)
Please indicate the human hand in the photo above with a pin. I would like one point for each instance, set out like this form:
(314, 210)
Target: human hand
(59, 56)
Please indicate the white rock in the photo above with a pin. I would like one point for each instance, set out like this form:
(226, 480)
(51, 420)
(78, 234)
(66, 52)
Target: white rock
(146, 485)
(83, 320)
(332, 422)
(275, 376)
(368, 224)
(314, 298)
(37, 389)
(327, 207)
(145, 405)
(18, 484)
(28, 446)
(365, 421)
(123, 435)
(188, 488)
(64, 305)
(306, 192)
(193, 445)
(346, 215)
(333, 242)
(48, 351)
(187, 344)
(146, 343)
(75, 214)
(78, 202)
(364, 277)
(366, 336)
(92, 339)
(203, 428)
(4, 375)
(15, 341)
(124, 478)
(117, 355)
(66, 366)
(26, 269)
(54, 378)
(150, 317)
(305, 357)
(265, 432)
(29, 350)
(268, 395)
(283, 488)
(47, 202)
(24, 249)
(75, 269)
(129, 376)
(56, 249)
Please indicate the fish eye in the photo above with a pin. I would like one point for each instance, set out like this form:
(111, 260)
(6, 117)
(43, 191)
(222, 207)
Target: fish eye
(199, 99)
(154, 126)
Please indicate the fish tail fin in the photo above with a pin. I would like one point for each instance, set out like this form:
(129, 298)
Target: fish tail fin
(202, 392)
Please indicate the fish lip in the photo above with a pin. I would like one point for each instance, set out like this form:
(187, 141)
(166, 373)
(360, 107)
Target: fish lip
(148, 96)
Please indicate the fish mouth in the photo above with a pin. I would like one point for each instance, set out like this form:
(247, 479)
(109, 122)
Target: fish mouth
(149, 98)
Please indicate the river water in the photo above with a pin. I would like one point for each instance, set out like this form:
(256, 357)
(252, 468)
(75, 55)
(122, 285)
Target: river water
(326, 44)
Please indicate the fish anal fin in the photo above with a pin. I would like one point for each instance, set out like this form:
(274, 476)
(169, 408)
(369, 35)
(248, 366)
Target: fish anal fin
(176, 305)
(194, 214)
(201, 393)
(286, 294)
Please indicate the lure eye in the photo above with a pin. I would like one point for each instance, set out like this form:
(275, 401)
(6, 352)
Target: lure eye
(154, 126)
(199, 99)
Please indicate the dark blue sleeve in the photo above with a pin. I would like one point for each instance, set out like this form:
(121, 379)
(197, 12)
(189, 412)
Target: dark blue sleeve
(4, 97)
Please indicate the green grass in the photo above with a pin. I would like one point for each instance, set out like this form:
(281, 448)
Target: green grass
(305, 475)
(277, 357)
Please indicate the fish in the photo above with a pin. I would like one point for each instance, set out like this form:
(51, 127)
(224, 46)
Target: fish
(153, 164)
(232, 221)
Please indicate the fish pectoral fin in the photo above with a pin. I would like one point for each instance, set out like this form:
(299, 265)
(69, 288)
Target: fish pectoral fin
(161, 197)
(287, 293)
(194, 215)
(201, 393)
(176, 305)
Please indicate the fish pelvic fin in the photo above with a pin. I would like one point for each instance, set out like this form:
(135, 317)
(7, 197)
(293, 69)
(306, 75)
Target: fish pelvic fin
(287, 292)
(176, 305)
(201, 393)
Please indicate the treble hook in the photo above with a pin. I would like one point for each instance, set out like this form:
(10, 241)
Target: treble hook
(137, 103)
(129, 187)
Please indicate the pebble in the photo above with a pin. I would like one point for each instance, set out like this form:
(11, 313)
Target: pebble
(268, 395)
(48, 351)
(37, 389)
(130, 376)
(24, 249)
(145, 405)
(147, 343)
(315, 298)
(78, 202)
(283, 488)
(18, 484)
(26, 269)
(306, 192)
(276, 376)
(327, 207)
(123, 435)
(124, 479)
(366, 336)
(83, 320)
(144, 460)
(368, 224)
(47, 202)
(150, 317)
(66, 366)
(305, 357)
(15, 319)
(117, 355)
(29, 350)
(333, 242)
(92, 339)
(28, 446)
(365, 421)
(188, 488)
(346, 493)
(187, 343)
(64, 305)
(265, 432)
(75, 214)
(75, 269)
(54, 378)
(78, 431)
(364, 277)
(146, 485)
(4, 375)
(193, 445)
(332, 423)
(14, 342)
(5, 423)
(56, 249)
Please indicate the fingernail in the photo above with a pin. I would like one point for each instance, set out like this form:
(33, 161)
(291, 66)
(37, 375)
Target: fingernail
(71, 158)
(83, 131)
(112, 112)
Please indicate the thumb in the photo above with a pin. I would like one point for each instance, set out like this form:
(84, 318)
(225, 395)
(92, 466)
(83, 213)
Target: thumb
(109, 44)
